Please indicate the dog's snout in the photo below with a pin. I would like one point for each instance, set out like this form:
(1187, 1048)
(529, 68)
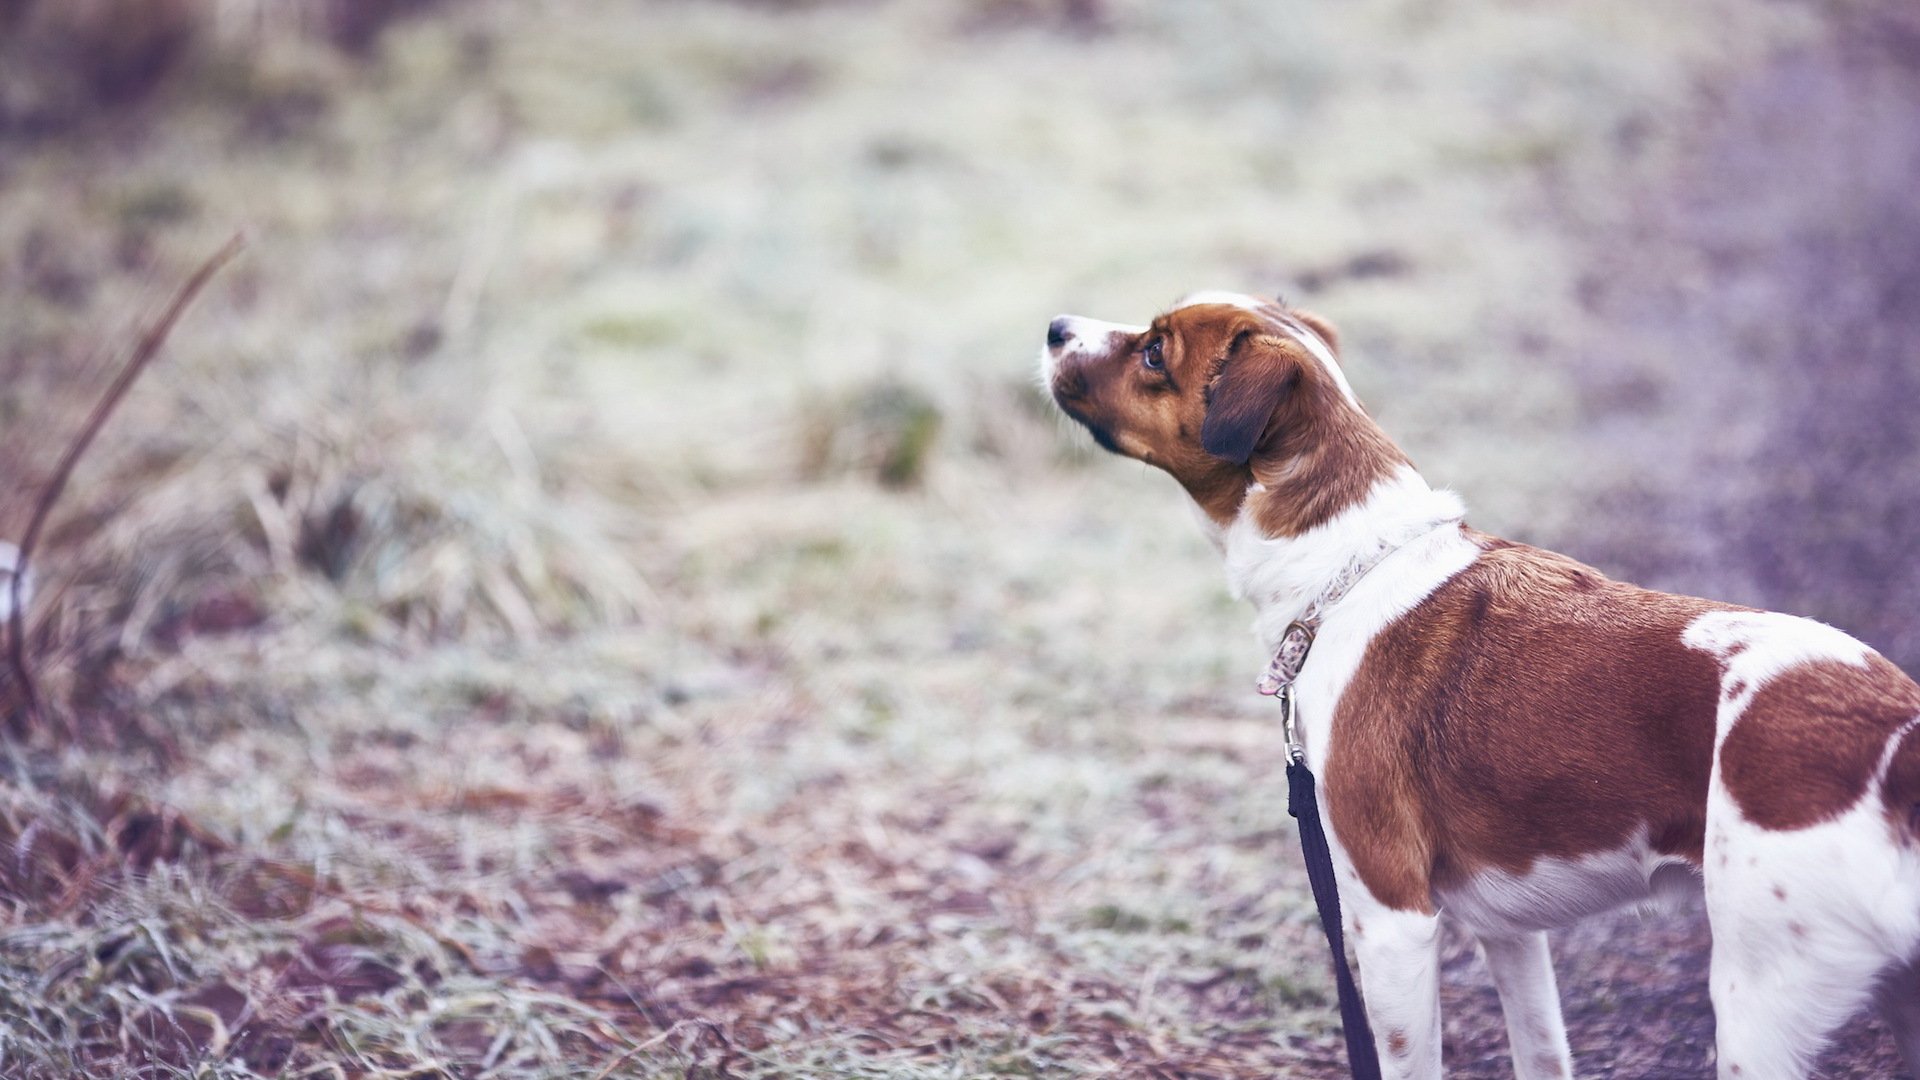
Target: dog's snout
(1059, 332)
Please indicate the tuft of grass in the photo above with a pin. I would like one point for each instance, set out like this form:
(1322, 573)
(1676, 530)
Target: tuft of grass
(886, 429)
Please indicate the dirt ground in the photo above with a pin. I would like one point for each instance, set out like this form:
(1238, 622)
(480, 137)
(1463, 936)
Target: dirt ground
(594, 592)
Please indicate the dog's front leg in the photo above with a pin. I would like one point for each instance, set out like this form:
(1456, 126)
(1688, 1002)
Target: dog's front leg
(1399, 953)
(1523, 973)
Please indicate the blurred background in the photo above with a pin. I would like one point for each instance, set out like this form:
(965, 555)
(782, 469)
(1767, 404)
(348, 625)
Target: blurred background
(594, 590)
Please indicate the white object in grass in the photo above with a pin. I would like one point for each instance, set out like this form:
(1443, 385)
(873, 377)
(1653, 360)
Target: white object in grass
(9, 565)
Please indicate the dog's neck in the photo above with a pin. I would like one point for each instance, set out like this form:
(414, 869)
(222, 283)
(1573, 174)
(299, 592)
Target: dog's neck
(1281, 575)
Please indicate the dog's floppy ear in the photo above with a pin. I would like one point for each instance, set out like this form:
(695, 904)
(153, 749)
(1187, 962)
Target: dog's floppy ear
(1254, 379)
(1322, 327)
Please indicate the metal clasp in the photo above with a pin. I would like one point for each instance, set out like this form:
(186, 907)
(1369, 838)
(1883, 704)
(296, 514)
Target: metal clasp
(1290, 727)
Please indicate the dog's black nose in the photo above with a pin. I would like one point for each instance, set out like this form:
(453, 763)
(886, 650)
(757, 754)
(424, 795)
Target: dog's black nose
(1057, 333)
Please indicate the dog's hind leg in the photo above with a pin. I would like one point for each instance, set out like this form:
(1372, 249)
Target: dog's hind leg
(1523, 973)
(1774, 1015)
(1795, 952)
(1399, 954)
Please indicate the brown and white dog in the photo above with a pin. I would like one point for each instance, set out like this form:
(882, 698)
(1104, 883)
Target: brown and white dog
(1511, 738)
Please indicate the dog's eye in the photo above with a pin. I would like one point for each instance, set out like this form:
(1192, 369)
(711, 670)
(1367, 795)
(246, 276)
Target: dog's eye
(1153, 355)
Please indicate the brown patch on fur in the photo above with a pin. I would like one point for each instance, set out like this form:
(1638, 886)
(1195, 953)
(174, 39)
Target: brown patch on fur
(1316, 454)
(1397, 1043)
(1320, 457)
(1263, 406)
(1807, 745)
(1515, 714)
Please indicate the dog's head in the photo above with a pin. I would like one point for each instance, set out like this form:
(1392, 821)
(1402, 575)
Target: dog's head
(1221, 391)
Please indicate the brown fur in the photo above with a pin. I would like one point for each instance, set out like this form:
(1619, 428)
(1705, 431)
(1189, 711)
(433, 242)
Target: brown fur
(1807, 745)
(1529, 707)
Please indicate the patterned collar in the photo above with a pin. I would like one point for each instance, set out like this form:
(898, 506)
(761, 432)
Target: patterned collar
(1291, 656)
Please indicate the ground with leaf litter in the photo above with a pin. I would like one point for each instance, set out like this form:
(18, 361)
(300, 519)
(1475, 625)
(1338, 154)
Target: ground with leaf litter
(594, 592)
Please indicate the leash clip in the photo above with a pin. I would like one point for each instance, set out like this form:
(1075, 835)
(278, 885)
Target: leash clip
(1290, 727)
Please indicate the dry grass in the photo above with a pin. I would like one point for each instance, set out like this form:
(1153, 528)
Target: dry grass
(593, 593)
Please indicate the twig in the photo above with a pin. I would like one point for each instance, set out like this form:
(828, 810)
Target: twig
(143, 354)
(637, 1048)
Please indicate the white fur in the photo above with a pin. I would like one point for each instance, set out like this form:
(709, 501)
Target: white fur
(1399, 954)
(1757, 645)
(1522, 972)
(1323, 353)
(1788, 971)
(1280, 577)
(1804, 920)
(1556, 891)
(1089, 337)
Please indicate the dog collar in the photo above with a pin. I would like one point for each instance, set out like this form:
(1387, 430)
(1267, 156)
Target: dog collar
(1291, 656)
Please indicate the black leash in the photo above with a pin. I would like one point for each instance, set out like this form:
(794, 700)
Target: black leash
(1302, 804)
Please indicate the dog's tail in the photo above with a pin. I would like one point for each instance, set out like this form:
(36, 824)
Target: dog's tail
(1901, 788)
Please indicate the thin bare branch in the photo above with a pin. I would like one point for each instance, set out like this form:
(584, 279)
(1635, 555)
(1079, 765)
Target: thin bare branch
(143, 354)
